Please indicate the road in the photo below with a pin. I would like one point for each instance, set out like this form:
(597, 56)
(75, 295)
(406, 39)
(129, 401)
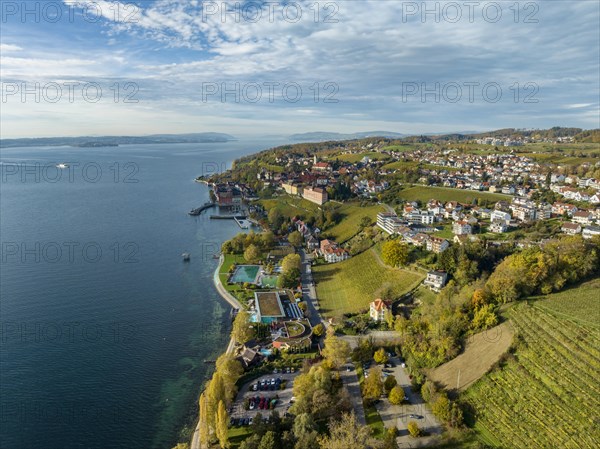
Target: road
(350, 379)
(309, 293)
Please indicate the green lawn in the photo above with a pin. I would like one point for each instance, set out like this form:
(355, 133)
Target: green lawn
(291, 206)
(230, 259)
(237, 435)
(348, 226)
(351, 285)
(374, 421)
(426, 193)
(547, 395)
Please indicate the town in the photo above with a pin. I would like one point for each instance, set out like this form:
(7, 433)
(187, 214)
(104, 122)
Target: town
(379, 268)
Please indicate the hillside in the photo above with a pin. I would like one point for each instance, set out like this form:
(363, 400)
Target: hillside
(351, 285)
(547, 395)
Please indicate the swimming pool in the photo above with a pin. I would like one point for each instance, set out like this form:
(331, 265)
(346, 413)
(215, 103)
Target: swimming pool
(245, 273)
(269, 281)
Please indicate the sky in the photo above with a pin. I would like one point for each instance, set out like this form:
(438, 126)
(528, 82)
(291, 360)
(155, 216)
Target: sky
(78, 67)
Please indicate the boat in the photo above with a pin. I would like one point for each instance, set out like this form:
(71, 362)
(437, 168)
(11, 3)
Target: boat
(62, 165)
(186, 257)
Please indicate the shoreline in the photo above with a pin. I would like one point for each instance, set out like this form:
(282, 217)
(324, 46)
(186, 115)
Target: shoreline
(233, 302)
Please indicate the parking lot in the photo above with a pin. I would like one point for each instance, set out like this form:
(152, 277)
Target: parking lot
(263, 395)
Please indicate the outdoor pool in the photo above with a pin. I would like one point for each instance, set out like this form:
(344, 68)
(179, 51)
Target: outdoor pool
(269, 281)
(245, 273)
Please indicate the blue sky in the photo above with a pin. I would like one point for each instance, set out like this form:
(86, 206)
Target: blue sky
(408, 67)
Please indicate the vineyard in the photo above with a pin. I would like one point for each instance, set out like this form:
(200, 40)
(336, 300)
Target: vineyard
(548, 396)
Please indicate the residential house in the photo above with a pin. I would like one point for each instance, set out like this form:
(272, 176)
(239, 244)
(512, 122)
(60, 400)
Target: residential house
(583, 217)
(461, 227)
(437, 244)
(436, 280)
(378, 309)
(590, 231)
(331, 252)
(571, 228)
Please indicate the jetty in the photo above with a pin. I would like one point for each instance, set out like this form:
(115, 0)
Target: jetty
(228, 217)
(202, 208)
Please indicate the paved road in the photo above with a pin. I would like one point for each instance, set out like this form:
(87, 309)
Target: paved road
(309, 293)
(399, 415)
(350, 379)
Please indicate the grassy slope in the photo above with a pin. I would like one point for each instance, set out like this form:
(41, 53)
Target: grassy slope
(351, 285)
(548, 396)
(351, 215)
(426, 193)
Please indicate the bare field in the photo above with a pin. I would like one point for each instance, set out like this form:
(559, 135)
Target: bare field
(481, 352)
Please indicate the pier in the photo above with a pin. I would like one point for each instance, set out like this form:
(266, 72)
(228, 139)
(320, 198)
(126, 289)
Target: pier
(202, 208)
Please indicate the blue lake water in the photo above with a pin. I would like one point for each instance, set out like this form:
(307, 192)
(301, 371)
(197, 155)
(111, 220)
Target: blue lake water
(104, 328)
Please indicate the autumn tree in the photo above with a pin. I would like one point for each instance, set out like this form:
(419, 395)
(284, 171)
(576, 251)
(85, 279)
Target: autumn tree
(484, 318)
(295, 239)
(336, 350)
(396, 395)
(380, 356)
(252, 254)
(221, 425)
(347, 433)
(242, 330)
(268, 441)
(204, 432)
(394, 253)
(319, 330)
(275, 218)
(413, 429)
(373, 385)
(290, 263)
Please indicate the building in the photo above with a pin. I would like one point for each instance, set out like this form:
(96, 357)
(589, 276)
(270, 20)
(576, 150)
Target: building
(436, 280)
(590, 232)
(498, 227)
(502, 216)
(437, 244)
(228, 196)
(321, 166)
(583, 217)
(461, 228)
(389, 222)
(315, 195)
(268, 307)
(571, 228)
(378, 309)
(332, 253)
(292, 188)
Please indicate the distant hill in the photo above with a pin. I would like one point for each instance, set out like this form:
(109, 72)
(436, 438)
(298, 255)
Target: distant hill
(88, 141)
(322, 136)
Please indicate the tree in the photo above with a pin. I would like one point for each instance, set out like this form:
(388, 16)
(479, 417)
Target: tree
(291, 262)
(365, 221)
(230, 369)
(373, 385)
(221, 425)
(267, 239)
(484, 318)
(268, 441)
(380, 356)
(275, 218)
(389, 319)
(295, 239)
(347, 433)
(242, 330)
(336, 350)
(428, 390)
(413, 429)
(319, 330)
(394, 253)
(252, 254)
(396, 395)
(441, 407)
(479, 298)
(389, 383)
(203, 421)
(389, 439)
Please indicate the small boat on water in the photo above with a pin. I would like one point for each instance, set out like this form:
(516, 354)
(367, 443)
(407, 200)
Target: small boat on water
(62, 165)
(186, 257)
